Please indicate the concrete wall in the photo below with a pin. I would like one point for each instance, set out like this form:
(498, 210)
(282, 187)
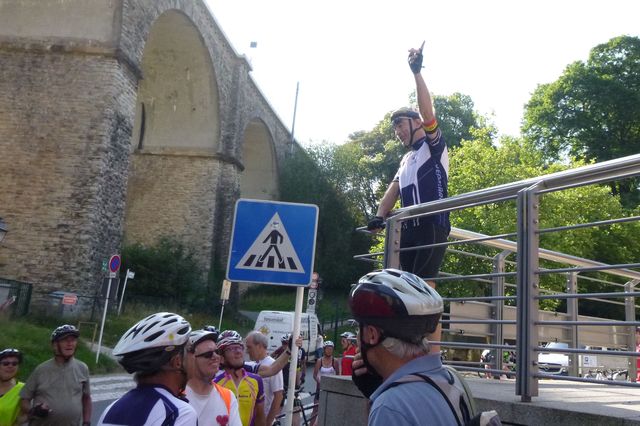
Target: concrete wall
(119, 120)
(559, 403)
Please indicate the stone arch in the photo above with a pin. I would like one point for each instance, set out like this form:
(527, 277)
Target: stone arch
(177, 106)
(259, 179)
(174, 168)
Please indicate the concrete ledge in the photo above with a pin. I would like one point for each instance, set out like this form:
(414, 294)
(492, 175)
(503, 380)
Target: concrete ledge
(341, 403)
(559, 402)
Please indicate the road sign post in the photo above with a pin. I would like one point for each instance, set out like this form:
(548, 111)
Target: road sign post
(224, 296)
(312, 296)
(130, 274)
(114, 267)
(274, 243)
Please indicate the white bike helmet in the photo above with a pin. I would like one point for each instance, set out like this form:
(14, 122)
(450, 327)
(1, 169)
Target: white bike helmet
(198, 336)
(152, 342)
(400, 303)
(228, 338)
(348, 335)
(328, 343)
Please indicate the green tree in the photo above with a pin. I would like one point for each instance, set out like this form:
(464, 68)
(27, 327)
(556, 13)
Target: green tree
(473, 167)
(592, 112)
(166, 270)
(305, 177)
(458, 118)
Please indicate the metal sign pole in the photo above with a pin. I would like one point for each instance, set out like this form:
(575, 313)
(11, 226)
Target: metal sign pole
(104, 316)
(224, 296)
(294, 357)
(124, 288)
(221, 313)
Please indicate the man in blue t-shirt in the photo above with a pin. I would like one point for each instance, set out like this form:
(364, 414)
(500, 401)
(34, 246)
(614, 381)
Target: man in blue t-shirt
(395, 311)
(422, 177)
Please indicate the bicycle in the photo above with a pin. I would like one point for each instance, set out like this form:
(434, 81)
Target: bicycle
(299, 408)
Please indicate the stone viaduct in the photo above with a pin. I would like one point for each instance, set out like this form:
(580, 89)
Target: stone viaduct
(123, 121)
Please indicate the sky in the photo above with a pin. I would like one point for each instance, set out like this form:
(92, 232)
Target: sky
(349, 57)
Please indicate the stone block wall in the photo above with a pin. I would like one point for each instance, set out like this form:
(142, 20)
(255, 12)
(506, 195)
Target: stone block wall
(67, 112)
(65, 125)
(173, 195)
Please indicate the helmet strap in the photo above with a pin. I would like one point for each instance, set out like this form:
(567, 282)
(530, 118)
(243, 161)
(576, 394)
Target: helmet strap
(412, 131)
(364, 347)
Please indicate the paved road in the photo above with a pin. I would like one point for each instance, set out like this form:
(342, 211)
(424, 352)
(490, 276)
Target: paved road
(106, 389)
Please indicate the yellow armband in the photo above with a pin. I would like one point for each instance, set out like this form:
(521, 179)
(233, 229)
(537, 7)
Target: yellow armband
(431, 126)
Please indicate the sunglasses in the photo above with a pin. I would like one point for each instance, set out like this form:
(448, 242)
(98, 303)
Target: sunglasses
(208, 355)
(8, 363)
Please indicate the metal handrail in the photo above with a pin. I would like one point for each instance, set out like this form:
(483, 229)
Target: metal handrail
(526, 193)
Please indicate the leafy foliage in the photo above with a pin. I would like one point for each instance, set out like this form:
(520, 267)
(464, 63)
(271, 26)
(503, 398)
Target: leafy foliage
(474, 166)
(168, 270)
(592, 112)
(306, 177)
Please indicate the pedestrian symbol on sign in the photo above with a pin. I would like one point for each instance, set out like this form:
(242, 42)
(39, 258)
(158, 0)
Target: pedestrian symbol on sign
(272, 250)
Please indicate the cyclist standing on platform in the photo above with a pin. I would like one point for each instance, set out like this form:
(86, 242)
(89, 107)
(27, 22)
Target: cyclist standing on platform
(422, 177)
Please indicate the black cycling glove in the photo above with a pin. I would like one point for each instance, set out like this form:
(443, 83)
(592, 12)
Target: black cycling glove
(415, 62)
(376, 223)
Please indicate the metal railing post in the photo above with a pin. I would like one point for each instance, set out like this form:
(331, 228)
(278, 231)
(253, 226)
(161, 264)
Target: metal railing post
(392, 243)
(630, 315)
(497, 289)
(526, 330)
(572, 312)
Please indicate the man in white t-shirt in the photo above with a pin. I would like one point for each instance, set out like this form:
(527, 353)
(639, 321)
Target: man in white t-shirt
(256, 344)
(214, 404)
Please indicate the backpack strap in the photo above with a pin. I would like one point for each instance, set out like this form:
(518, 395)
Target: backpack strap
(225, 394)
(453, 390)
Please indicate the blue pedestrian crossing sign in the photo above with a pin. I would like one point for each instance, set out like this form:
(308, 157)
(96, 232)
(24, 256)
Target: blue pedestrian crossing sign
(273, 242)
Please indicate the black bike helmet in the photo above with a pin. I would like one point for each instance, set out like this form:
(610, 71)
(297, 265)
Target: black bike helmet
(400, 303)
(64, 331)
(403, 112)
(11, 352)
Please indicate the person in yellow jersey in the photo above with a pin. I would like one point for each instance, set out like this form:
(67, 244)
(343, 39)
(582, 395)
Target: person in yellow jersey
(247, 387)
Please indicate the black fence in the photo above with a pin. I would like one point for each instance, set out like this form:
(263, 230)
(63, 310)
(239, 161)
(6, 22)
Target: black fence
(15, 297)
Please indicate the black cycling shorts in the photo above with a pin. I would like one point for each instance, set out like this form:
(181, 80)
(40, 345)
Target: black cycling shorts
(425, 263)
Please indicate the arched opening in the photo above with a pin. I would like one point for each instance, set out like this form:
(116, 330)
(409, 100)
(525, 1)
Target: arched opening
(259, 180)
(177, 107)
(174, 171)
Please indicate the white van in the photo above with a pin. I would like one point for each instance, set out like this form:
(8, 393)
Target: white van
(275, 324)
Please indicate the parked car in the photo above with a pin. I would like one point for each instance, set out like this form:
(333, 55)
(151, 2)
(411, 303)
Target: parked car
(553, 362)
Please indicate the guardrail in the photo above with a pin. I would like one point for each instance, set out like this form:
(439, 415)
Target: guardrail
(526, 325)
